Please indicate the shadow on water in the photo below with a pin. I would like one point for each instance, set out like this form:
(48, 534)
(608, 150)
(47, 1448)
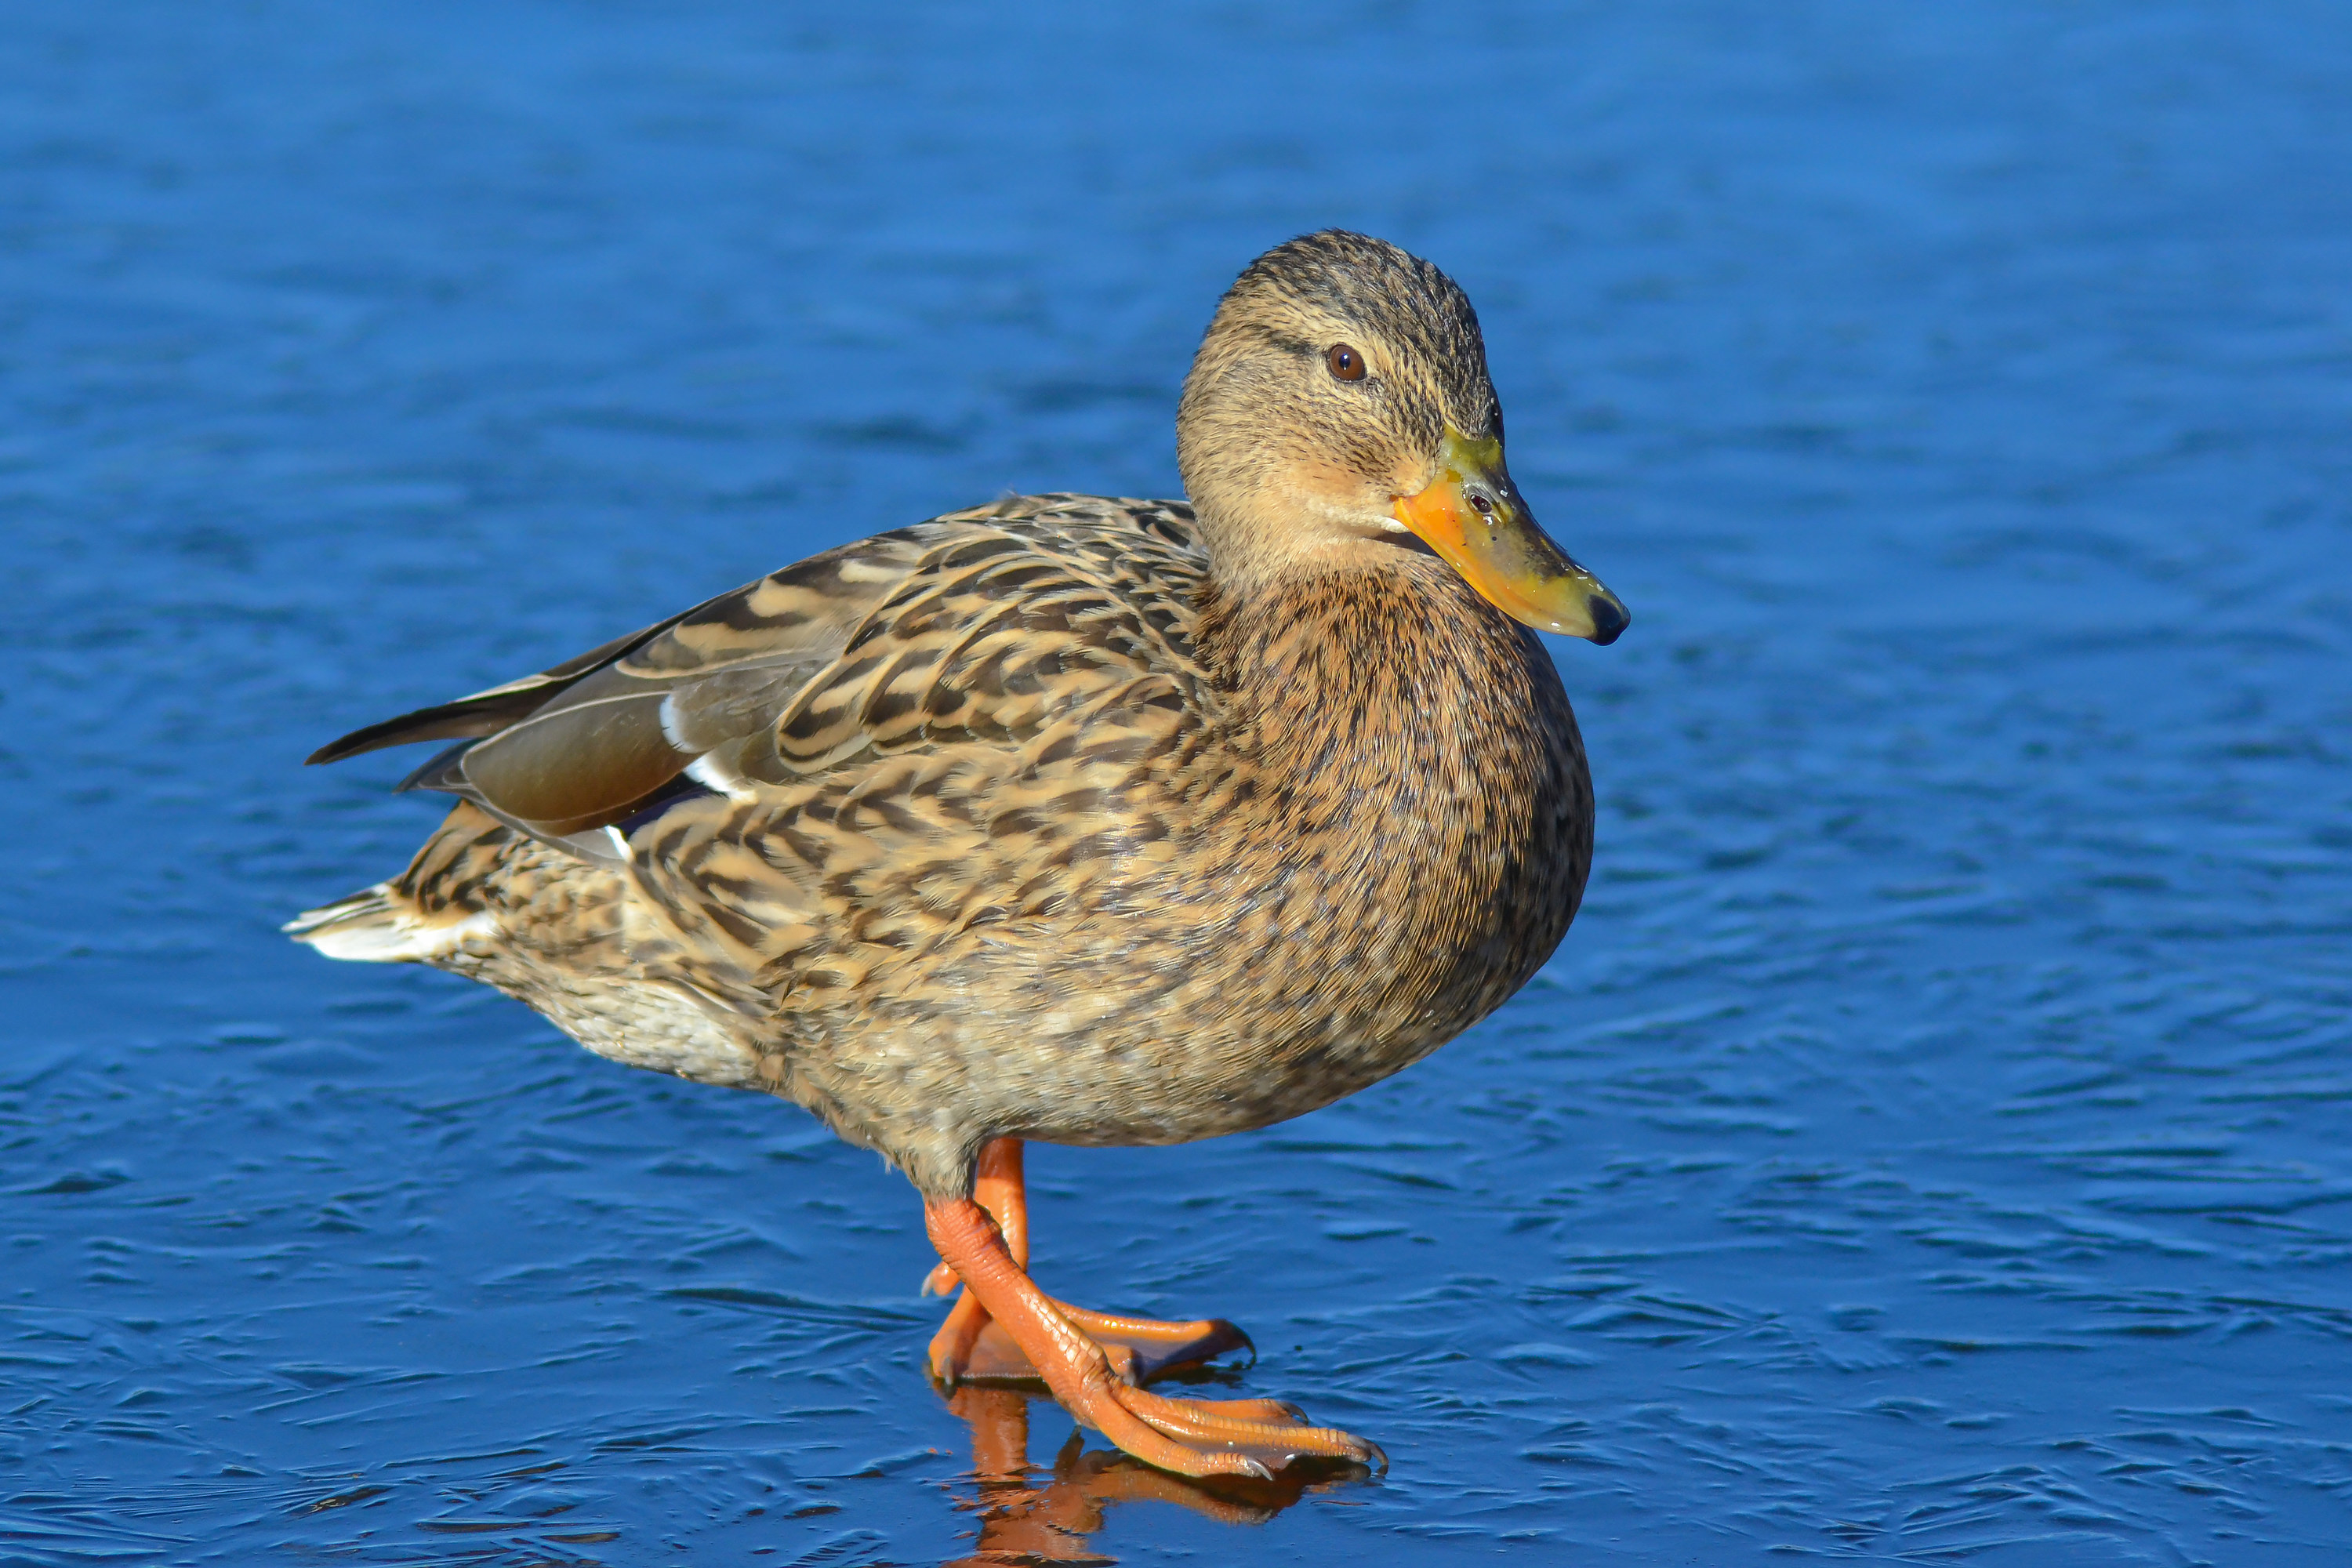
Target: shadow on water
(1028, 1513)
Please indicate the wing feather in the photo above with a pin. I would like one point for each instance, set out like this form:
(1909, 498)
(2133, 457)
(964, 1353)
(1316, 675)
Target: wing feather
(975, 628)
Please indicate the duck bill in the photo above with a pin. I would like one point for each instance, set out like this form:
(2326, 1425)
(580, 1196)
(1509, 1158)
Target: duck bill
(1473, 517)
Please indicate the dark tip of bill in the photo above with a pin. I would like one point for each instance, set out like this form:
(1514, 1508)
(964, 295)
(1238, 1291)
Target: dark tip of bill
(1609, 618)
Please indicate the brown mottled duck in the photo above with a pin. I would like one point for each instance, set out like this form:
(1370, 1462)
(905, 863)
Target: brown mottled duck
(1082, 820)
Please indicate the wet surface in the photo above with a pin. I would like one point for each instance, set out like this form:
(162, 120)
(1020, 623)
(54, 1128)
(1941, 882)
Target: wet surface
(1931, 1142)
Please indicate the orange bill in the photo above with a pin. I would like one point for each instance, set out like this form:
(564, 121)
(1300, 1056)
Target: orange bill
(1473, 517)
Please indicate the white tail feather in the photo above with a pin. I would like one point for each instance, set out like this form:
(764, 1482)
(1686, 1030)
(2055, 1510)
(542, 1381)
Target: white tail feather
(374, 926)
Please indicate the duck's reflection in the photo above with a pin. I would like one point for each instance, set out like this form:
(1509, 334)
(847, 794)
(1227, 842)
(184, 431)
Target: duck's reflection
(1032, 1515)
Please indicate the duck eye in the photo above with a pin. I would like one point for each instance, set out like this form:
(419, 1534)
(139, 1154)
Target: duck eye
(1346, 363)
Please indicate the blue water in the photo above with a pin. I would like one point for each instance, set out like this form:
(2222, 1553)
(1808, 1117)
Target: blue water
(1933, 1142)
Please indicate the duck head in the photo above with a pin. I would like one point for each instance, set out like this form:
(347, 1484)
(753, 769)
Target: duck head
(1339, 404)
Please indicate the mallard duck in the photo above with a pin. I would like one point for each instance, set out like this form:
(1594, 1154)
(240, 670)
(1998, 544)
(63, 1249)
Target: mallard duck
(1067, 818)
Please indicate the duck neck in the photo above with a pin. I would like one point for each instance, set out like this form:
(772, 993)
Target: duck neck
(1353, 685)
(1396, 768)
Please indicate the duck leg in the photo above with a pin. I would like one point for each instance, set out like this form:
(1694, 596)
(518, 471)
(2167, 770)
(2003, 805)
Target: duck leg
(971, 1348)
(1001, 1189)
(1191, 1436)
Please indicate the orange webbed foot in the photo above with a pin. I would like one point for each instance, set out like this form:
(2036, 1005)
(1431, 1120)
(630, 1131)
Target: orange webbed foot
(973, 1348)
(970, 1347)
(1272, 1432)
(1095, 1362)
(1027, 1514)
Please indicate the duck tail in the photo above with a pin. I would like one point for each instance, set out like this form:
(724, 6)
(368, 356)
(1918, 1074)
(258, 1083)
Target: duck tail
(383, 925)
(425, 913)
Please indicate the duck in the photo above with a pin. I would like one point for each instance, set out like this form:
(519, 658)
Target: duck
(1082, 820)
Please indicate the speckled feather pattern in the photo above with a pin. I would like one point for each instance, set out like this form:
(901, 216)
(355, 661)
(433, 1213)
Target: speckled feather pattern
(1012, 824)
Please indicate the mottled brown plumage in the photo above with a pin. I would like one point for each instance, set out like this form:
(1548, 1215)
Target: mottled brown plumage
(1092, 821)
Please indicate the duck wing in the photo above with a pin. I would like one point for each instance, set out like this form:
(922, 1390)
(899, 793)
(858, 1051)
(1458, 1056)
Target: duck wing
(791, 674)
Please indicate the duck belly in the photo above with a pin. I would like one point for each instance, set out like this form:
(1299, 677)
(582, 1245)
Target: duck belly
(660, 1026)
